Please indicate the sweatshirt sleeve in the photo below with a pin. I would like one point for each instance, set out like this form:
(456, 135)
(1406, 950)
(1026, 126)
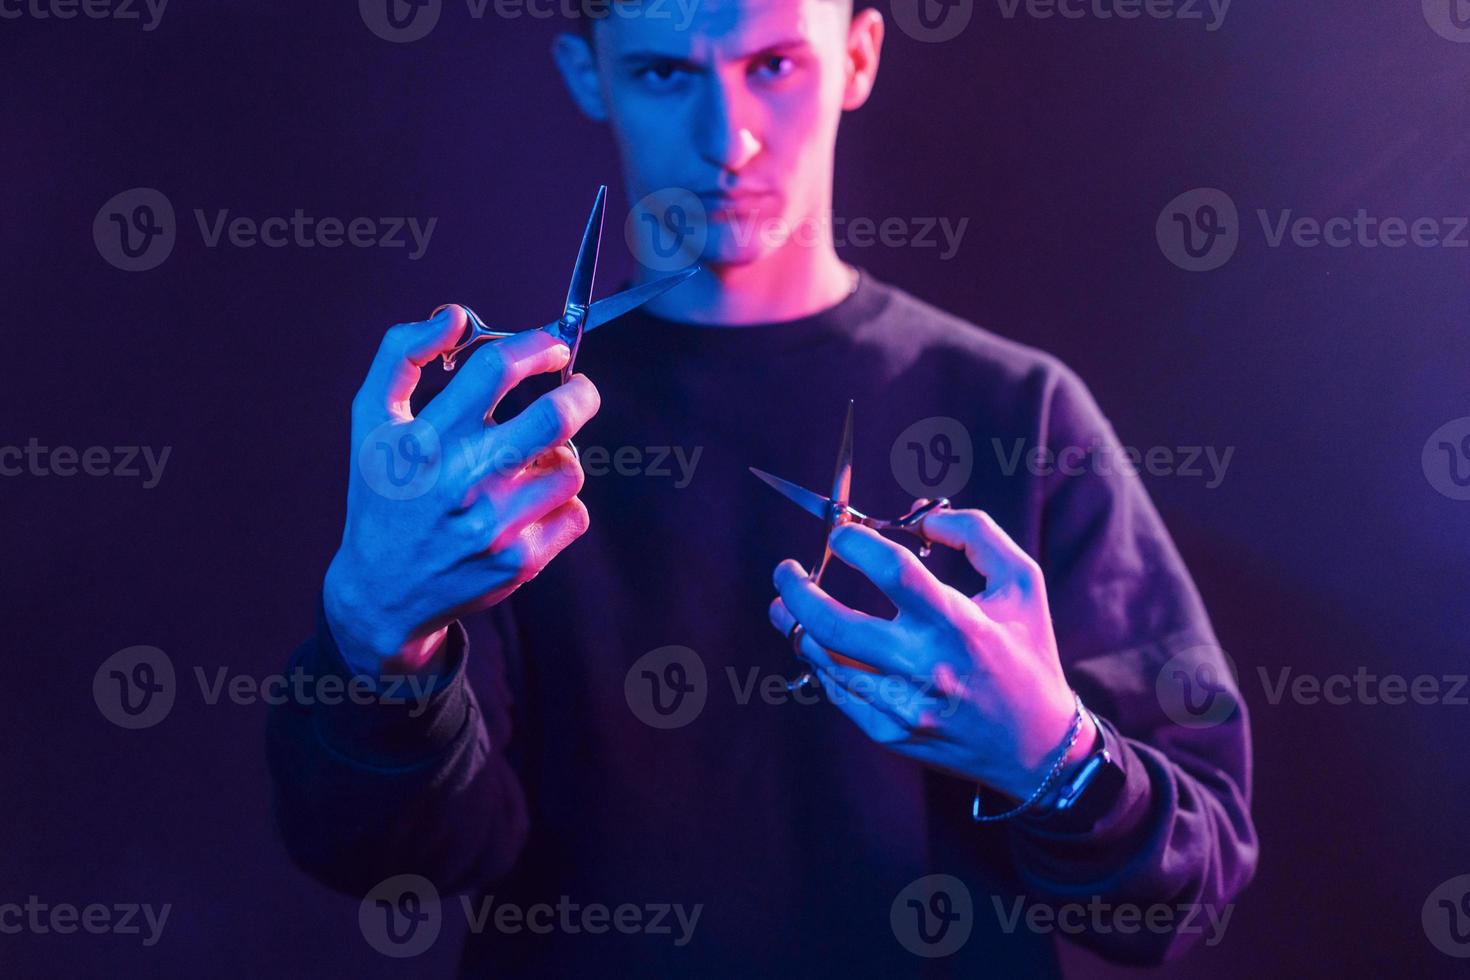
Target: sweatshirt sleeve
(376, 779)
(1138, 646)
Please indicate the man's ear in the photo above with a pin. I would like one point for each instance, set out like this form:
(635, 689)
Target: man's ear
(864, 48)
(578, 67)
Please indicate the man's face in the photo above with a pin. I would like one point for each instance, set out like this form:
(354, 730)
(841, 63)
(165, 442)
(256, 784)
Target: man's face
(739, 108)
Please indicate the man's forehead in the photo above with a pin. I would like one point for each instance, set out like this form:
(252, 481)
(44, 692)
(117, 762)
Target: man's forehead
(702, 30)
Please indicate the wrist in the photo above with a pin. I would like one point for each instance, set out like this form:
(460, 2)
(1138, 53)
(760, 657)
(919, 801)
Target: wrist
(367, 644)
(1089, 739)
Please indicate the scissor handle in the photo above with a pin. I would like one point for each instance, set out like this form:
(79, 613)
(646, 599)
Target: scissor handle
(474, 332)
(912, 522)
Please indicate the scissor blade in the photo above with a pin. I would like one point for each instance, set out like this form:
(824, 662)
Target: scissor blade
(611, 307)
(813, 503)
(842, 479)
(579, 295)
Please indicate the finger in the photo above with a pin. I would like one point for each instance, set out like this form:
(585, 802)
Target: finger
(917, 714)
(850, 691)
(394, 373)
(490, 373)
(989, 549)
(782, 620)
(550, 536)
(548, 421)
(869, 640)
(891, 567)
(551, 480)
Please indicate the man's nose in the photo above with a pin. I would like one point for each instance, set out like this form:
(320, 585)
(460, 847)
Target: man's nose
(727, 127)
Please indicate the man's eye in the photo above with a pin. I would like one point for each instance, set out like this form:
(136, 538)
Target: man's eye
(662, 73)
(776, 66)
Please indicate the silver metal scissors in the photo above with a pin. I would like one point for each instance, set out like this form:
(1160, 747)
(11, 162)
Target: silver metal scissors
(835, 511)
(580, 314)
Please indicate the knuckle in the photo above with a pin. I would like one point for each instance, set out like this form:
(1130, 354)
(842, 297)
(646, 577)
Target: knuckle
(975, 523)
(906, 575)
(515, 559)
(547, 417)
(396, 338)
(361, 403)
(489, 364)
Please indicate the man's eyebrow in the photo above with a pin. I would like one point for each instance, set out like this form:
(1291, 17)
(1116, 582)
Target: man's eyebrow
(643, 57)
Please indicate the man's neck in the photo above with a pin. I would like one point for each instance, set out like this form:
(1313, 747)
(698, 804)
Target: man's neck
(788, 284)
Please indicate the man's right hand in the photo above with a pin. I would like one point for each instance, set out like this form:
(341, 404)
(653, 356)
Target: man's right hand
(448, 513)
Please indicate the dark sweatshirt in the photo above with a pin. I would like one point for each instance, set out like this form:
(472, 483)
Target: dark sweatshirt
(532, 775)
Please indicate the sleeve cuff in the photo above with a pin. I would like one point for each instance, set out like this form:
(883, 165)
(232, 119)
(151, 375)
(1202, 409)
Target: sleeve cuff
(387, 722)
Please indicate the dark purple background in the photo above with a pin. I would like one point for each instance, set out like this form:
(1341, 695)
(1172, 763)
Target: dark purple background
(1326, 548)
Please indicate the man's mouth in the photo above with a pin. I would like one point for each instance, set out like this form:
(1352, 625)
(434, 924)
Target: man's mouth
(736, 205)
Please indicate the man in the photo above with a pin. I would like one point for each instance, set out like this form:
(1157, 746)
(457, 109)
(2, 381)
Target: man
(553, 769)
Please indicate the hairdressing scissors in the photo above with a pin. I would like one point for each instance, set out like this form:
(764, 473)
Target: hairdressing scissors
(835, 511)
(579, 314)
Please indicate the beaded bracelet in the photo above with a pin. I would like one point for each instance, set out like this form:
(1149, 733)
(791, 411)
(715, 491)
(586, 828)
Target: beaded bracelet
(1046, 784)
